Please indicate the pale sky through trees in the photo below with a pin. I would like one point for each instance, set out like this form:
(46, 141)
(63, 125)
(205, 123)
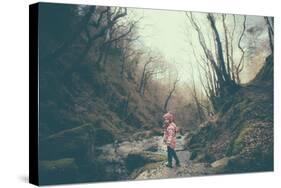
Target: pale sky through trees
(170, 33)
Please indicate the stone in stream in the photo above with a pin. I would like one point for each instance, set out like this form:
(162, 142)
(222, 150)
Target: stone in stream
(153, 148)
(137, 160)
(222, 163)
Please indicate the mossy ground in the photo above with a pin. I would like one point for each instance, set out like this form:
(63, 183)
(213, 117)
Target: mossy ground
(239, 141)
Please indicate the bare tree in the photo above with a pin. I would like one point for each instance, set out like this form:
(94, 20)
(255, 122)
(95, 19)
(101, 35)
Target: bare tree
(240, 66)
(153, 66)
(128, 50)
(172, 88)
(219, 66)
(104, 26)
(194, 93)
(145, 68)
(270, 28)
(75, 34)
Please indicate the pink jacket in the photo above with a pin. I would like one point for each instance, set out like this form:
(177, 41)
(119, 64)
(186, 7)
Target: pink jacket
(170, 131)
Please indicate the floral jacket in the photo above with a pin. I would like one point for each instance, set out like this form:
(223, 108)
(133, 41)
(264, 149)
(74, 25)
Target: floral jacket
(170, 131)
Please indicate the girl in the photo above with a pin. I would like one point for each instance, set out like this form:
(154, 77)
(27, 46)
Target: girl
(170, 130)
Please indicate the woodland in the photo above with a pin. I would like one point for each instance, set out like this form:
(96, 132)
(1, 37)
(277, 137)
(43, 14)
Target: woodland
(102, 96)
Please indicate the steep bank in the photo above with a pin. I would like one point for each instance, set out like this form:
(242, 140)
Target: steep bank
(88, 97)
(241, 140)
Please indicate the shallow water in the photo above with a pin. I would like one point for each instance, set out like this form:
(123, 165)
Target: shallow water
(153, 144)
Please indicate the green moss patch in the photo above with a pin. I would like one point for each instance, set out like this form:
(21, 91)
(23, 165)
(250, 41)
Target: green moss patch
(239, 141)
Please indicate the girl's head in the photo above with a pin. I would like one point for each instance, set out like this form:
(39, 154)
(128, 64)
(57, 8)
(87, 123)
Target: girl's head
(169, 116)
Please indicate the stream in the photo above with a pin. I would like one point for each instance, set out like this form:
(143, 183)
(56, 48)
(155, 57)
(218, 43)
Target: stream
(116, 155)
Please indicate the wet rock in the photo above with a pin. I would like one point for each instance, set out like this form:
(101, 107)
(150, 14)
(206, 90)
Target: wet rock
(73, 143)
(152, 148)
(58, 171)
(221, 162)
(137, 160)
(193, 155)
(200, 157)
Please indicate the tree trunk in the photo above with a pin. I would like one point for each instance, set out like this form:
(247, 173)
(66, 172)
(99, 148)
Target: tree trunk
(170, 95)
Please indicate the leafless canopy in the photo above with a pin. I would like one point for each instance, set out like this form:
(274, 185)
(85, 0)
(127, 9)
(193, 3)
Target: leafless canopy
(221, 70)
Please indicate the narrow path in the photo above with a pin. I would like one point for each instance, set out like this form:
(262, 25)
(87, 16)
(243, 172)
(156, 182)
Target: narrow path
(186, 169)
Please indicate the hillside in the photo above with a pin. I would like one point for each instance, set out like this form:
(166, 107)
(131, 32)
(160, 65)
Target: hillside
(84, 105)
(241, 139)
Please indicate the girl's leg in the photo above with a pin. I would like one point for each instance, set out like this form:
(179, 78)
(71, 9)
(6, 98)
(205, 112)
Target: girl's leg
(174, 154)
(170, 156)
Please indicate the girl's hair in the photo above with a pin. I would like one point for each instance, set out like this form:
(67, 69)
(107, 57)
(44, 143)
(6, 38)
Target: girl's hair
(169, 116)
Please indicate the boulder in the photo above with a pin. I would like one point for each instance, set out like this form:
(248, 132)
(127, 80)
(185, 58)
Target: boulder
(139, 159)
(73, 142)
(221, 162)
(152, 148)
(58, 171)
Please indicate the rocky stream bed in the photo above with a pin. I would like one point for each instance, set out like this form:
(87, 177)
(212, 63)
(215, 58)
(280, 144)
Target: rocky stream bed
(145, 159)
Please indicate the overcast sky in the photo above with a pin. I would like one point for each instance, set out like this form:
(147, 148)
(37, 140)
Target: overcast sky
(170, 32)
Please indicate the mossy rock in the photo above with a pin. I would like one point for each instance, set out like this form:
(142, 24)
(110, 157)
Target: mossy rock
(153, 148)
(204, 157)
(73, 142)
(146, 167)
(68, 143)
(103, 137)
(137, 160)
(221, 162)
(254, 149)
(58, 171)
(193, 155)
(256, 162)
(66, 163)
(201, 138)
